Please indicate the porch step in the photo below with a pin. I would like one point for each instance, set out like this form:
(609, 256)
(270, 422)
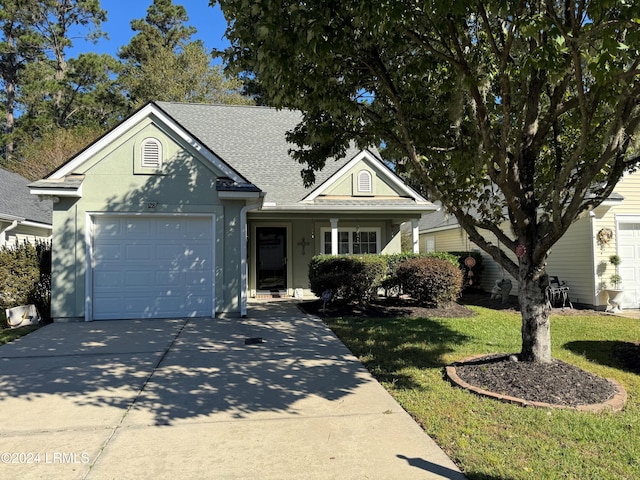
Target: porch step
(267, 296)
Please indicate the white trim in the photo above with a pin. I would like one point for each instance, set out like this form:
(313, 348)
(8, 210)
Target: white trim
(335, 240)
(376, 164)
(27, 223)
(415, 235)
(425, 231)
(90, 253)
(413, 208)
(121, 129)
(627, 218)
(157, 157)
(364, 182)
(57, 192)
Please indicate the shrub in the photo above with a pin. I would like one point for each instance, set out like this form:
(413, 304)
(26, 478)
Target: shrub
(25, 276)
(432, 281)
(350, 278)
(392, 284)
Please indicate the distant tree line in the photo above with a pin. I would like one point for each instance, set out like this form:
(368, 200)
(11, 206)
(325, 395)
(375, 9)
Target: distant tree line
(51, 105)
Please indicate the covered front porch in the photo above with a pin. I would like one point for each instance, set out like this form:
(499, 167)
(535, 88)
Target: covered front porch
(278, 250)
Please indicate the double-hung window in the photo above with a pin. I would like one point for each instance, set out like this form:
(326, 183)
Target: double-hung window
(353, 241)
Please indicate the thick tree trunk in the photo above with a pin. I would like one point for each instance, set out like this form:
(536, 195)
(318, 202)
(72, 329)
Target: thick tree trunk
(536, 331)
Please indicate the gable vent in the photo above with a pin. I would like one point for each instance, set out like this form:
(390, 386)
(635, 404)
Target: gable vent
(151, 153)
(364, 182)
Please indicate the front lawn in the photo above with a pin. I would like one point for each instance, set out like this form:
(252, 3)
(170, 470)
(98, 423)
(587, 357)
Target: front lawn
(9, 334)
(488, 439)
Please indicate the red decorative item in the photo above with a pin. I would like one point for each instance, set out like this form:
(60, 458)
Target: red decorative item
(521, 251)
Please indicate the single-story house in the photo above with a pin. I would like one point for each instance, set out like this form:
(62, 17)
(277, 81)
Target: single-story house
(22, 216)
(580, 258)
(187, 210)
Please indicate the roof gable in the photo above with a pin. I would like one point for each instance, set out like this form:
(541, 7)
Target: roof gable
(343, 181)
(138, 119)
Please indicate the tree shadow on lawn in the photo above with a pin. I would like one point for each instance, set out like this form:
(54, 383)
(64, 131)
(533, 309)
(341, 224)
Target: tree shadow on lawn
(386, 346)
(611, 353)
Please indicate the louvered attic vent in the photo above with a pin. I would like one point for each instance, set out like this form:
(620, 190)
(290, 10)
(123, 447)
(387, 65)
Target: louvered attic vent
(364, 182)
(151, 153)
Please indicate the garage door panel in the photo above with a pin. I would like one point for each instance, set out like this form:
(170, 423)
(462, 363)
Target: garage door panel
(152, 268)
(109, 253)
(138, 226)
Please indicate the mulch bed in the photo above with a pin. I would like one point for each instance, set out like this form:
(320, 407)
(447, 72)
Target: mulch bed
(555, 383)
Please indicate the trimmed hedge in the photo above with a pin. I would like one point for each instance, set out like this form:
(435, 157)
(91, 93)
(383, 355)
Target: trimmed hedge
(25, 276)
(432, 281)
(350, 278)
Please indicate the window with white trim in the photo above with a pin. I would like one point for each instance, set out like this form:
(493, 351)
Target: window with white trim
(365, 184)
(151, 153)
(430, 244)
(354, 241)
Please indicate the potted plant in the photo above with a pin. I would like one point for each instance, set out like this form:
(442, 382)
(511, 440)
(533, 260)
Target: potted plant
(614, 294)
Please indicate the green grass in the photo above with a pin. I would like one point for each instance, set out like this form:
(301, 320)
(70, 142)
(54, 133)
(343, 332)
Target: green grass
(489, 439)
(9, 334)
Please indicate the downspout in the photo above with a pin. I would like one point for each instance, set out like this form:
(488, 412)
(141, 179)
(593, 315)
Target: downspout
(244, 267)
(3, 238)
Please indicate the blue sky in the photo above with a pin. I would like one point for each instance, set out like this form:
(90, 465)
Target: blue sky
(209, 22)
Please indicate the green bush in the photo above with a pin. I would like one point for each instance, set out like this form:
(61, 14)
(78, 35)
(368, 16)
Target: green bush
(25, 276)
(392, 284)
(432, 281)
(350, 278)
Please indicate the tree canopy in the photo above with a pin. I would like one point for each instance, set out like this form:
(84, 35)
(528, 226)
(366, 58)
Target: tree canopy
(162, 63)
(517, 112)
(52, 104)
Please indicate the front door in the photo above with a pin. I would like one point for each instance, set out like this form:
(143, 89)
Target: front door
(271, 269)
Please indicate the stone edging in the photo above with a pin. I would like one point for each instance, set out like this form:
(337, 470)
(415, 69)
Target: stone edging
(614, 404)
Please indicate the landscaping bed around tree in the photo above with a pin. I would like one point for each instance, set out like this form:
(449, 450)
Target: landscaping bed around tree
(557, 383)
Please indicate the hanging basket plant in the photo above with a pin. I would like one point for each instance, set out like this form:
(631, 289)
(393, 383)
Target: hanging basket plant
(604, 236)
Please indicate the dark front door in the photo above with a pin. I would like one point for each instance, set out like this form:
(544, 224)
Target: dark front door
(271, 258)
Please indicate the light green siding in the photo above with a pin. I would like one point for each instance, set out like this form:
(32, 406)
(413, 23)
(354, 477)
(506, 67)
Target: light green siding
(346, 185)
(185, 186)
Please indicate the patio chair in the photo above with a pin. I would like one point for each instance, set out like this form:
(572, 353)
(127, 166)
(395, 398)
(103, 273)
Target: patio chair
(558, 292)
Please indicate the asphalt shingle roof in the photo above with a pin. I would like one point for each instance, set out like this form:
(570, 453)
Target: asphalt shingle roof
(15, 199)
(252, 141)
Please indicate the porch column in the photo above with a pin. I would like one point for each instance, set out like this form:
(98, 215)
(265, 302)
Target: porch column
(415, 235)
(334, 236)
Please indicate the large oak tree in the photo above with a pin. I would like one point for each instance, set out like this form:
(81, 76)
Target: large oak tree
(516, 112)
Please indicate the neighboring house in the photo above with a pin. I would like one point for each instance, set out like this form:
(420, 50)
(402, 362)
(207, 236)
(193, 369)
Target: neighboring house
(578, 258)
(22, 216)
(186, 210)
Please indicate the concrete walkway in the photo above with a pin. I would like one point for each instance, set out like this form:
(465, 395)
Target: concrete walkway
(172, 399)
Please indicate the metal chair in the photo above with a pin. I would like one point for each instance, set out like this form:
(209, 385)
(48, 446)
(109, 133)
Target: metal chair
(558, 292)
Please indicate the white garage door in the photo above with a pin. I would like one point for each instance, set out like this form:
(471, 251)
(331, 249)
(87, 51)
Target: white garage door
(152, 267)
(629, 251)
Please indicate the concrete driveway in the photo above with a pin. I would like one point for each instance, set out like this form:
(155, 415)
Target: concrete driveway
(189, 399)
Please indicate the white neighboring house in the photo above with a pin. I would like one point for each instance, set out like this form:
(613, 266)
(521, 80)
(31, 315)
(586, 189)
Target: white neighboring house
(578, 258)
(22, 215)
